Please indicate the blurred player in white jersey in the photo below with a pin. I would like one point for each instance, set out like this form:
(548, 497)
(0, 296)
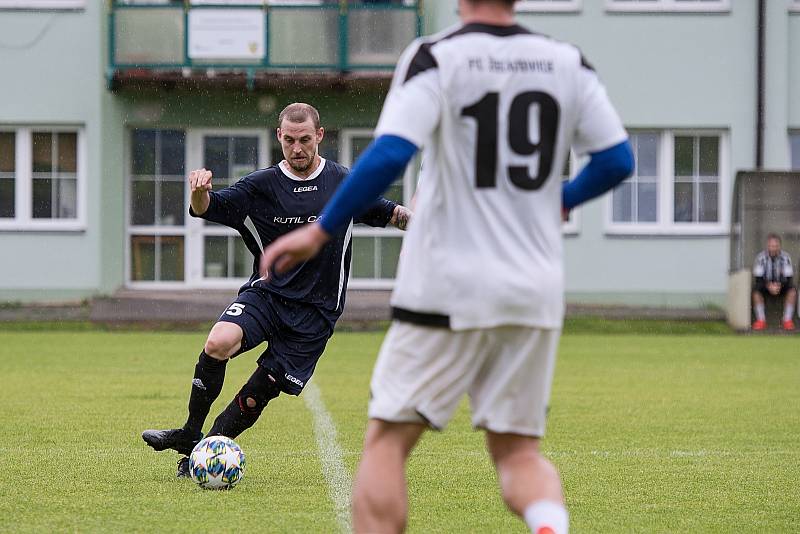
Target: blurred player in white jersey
(478, 304)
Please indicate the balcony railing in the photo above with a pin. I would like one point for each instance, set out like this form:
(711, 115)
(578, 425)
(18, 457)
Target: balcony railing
(258, 35)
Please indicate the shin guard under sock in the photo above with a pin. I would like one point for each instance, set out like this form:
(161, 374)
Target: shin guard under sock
(246, 407)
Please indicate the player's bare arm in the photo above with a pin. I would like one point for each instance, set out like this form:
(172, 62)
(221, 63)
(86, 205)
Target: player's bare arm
(200, 185)
(401, 217)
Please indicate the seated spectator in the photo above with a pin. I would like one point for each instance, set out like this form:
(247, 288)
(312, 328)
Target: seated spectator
(773, 274)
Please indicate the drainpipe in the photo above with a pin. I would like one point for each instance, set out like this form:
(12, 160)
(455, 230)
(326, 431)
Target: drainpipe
(760, 60)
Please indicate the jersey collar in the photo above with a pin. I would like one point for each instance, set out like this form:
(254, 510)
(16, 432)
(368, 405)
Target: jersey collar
(287, 170)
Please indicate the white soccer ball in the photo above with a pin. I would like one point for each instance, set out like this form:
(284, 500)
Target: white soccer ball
(217, 462)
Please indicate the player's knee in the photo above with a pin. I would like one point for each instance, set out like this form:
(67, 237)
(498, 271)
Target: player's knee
(510, 447)
(257, 392)
(217, 347)
(222, 345)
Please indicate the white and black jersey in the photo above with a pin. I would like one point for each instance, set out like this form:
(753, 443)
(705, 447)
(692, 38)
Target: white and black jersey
(770, 269)
(497, 109)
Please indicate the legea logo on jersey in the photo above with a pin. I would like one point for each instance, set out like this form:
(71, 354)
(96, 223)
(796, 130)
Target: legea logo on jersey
(294, 380)
(305, 188)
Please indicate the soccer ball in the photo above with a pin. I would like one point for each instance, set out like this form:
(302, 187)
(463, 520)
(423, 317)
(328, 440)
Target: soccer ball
(217, 462)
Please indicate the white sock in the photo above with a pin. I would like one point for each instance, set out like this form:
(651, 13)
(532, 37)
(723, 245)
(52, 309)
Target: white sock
(543, 515)
(788, 312)
(760, 312)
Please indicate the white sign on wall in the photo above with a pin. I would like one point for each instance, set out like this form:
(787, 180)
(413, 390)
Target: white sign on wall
(226, 34)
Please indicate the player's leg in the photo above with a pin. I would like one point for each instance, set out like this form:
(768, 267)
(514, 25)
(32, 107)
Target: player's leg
(228, 337)
(419, 378)
(509, 400)
(380, 496)
(759, 310)
(286, 365)
(789, 301)
(530, 484)
(224, 340)
(246, 407)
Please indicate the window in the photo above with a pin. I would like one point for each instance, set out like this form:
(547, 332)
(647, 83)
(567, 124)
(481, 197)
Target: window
(8, 164)
(157, 205)
(229, 157)
(677, 186)
(42, 4)
(55, 175)
(550, 5)
(42, 179)
(636, 199)
(696, 197)
(794, 7)
(794, 152)
(707, 6)
(157, 178)
(375, 250)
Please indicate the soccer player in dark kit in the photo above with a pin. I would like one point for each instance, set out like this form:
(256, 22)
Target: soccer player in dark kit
(294, 312)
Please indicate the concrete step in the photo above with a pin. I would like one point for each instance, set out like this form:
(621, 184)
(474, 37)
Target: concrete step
(206, 305)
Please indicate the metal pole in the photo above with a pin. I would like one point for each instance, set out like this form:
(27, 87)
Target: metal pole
(760, 104)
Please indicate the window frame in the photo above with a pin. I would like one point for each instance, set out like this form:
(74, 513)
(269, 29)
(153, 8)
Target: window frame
(549, 6)
(665, 224)
(23, 220)
(667, 6)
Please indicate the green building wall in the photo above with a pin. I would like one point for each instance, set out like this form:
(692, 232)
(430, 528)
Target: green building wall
(662, 70)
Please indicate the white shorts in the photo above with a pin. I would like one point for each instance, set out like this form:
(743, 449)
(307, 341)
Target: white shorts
(423, 372)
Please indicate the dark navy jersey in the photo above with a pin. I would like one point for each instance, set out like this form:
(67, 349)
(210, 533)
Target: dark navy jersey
(269, 203)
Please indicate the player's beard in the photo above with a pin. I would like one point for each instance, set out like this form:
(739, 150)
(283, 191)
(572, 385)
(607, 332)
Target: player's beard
(304, 166)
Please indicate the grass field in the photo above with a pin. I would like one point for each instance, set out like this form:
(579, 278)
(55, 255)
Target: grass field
(652, 433)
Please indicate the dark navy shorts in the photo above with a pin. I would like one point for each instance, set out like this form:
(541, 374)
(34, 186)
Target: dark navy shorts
(296, 334)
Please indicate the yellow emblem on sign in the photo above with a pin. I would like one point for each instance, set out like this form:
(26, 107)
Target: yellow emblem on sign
(253, 46)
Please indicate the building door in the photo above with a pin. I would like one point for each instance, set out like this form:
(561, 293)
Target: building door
(167, 249)
(217, 256)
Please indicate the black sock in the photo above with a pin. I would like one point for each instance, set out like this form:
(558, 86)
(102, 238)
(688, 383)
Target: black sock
(209, 374)
(246, 407)
(233, 421)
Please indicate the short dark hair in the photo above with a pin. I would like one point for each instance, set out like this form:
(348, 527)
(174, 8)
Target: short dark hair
(771, 236)
(299, 112)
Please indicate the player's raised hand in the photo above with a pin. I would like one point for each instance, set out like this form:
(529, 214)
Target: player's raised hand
(292, 248)
(200, 180)
(200, 185)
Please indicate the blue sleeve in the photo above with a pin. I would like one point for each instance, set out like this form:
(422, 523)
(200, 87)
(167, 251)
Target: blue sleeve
(377, 214)
(606, 169)
(376, 169)
(229, 206)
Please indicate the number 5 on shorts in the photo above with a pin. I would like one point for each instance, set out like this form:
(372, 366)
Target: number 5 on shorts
(236, 309)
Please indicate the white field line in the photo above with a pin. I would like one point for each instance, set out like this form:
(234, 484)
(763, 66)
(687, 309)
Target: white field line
(339, 481)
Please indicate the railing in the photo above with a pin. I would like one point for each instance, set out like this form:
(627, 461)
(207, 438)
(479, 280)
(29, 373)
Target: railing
(338, 35)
